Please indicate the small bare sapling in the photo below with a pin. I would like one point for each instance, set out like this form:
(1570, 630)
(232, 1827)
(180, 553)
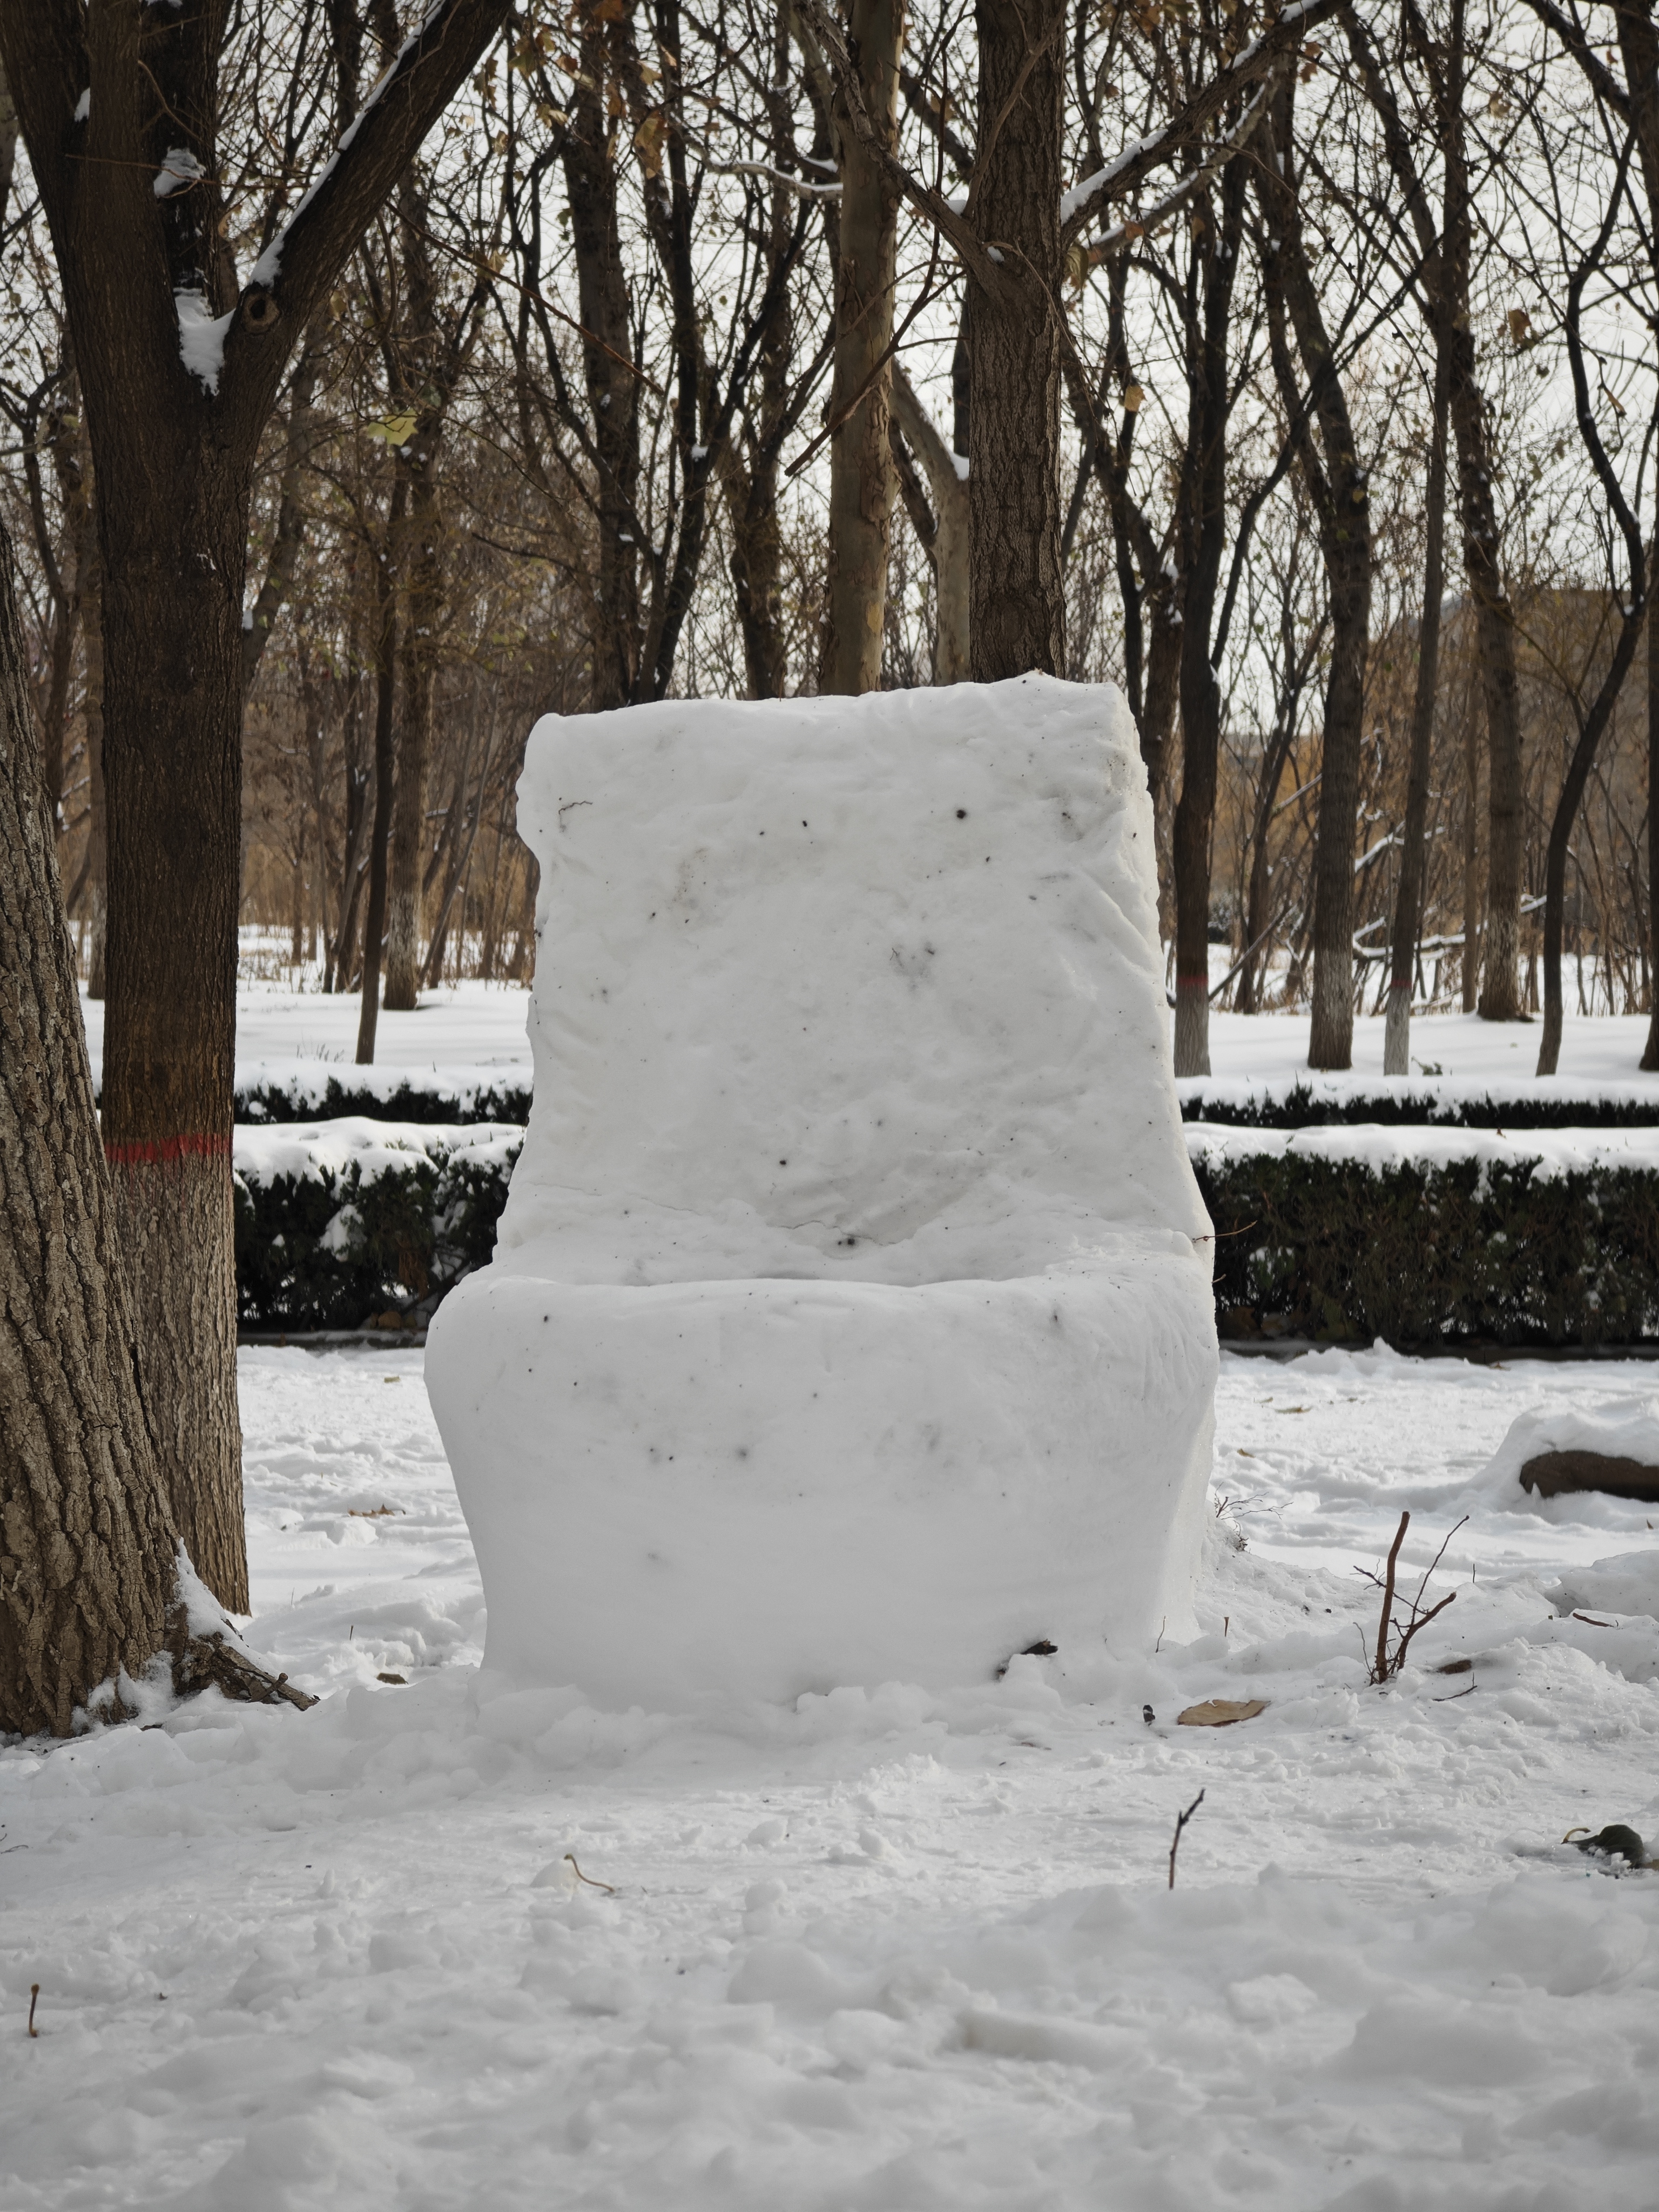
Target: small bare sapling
(34, 1999)
(1390, 1656)
(1181, 1819)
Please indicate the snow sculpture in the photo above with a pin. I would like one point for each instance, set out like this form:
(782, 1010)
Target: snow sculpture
(846, 1321)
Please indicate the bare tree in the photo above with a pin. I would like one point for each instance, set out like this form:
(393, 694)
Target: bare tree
(180, 360)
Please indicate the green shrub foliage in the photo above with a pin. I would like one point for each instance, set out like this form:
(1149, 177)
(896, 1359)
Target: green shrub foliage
(407, 1100)
(1329, 1248)
(1424, 1256)
(336, 1251)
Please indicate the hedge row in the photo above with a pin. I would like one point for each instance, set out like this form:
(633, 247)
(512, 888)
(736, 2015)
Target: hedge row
(1337, 1104)
(1421, 1255)
(368, 1239)
(342, 1225)
(265, 1104)
(437, 1102)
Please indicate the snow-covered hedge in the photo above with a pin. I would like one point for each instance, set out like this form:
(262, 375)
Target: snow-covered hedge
(1433, 1235)
(1419, 1235)
(271, 1092)
(340, 1222)
(1311, 1101)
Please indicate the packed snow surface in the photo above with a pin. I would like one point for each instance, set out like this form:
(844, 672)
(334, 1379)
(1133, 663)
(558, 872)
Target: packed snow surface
(872, 1952)
(865, 990)
(463, 1038)
(847, 1318)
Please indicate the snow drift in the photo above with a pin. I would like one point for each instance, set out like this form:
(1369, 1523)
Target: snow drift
(847, 1321)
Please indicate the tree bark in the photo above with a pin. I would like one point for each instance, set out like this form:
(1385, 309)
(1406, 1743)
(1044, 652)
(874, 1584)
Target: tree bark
(386, 676)
(289, 533)
(861, 463)
(423, 591)
(1203, 526)
(1446, 250)
(146, 277)
(89, 587)
(1566, 813)
(1017, 586)
(1470, 967)
(174, 632)
(1340, 499)
(86, 1541)
(1147, 585)
(1632, 612)
(950, 548)
(613, 391)
(1639, 42)
(748, 468)
(60, 441)
(1409, 902)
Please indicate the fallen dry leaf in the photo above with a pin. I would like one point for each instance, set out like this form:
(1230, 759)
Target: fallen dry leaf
(1221, 1712)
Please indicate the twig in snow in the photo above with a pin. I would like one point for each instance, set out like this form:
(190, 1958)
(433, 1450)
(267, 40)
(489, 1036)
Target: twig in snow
(1380, 1668)
(589, 1879)
(1181, 1819)
(1387, 1663)
(34, 1992)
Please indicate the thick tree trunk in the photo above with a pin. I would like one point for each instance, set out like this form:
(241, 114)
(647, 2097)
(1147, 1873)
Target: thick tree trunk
(758, 577)
(1474, 714)
(1203, 524)
(590, 173)
(1330, 1039)
(173, 644)
(1500, 975)
(1341, 501)
(86, 1537)
(423, 591)
(1408, 902)
(145, 273)
(951, 546)
(340, 965)
(861, 463)
(386, 676)
(1194, 817)
(1650, 1050)
(1446, 248)
(1566, 813)
(1638, 40)
(1632, 604)
(1500, 979)
(748, 469)
(97, 893)
(1018, 611)
(290, 516)
(54, 708)
(1258, 920)
(90, 581)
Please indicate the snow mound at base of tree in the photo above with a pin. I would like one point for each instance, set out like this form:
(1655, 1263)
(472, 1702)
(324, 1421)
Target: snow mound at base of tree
(1624, 1428)
(847, 1320)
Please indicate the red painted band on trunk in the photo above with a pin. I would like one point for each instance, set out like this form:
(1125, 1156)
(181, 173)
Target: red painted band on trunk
(1192, 983)
(150, 1153)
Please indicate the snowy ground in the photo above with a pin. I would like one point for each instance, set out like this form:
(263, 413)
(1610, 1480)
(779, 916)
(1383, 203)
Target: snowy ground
(875, 1955)
(479, 1028)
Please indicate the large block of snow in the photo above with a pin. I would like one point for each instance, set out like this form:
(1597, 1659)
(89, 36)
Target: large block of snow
(847, 1321)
